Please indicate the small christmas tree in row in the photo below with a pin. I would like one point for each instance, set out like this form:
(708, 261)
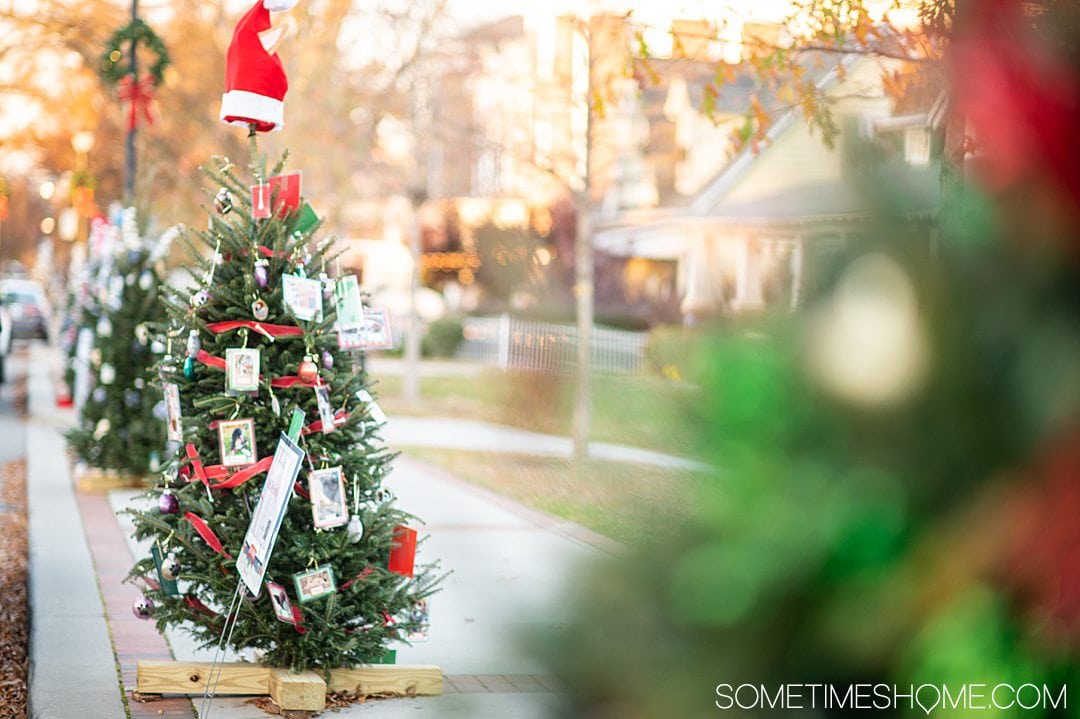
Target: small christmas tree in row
(253, 343)
(120, 426)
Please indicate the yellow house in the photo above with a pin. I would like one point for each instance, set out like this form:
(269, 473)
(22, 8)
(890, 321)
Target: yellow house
(749, 239)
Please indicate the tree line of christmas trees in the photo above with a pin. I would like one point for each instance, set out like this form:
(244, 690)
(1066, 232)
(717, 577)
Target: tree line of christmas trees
(244, 385)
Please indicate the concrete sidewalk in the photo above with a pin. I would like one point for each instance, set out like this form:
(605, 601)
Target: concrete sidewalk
(510, 566)
(449, 433)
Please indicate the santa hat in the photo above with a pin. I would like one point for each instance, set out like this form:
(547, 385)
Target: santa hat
(255, 83)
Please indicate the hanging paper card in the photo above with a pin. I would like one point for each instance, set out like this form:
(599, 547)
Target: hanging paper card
(326, 410)
(349, 308)
(305, 220)
(371, 334)
(260, 201)
(266, 519)
(242, 369)
(168, 586)
(288, 191)
(279, 599)
(403, 551)
(374, 410)
(418, 618)
(327, 487)
(83, 346)
(303, 296)
(314, 584)
(174, 429)
(236, 439)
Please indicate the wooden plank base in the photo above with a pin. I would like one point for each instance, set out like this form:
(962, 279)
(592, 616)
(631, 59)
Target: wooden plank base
(94, 479)
(289, 690)
(408, 681)
(297, 690)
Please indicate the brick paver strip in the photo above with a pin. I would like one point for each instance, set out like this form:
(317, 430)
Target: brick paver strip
(133, 639)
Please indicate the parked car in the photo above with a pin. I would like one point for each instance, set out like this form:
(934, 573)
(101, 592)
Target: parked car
(29, 309)
(5, 336)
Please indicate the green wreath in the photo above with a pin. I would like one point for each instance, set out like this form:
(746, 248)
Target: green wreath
(113, 67)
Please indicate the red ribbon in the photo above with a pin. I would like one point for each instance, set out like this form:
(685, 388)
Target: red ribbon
(293, 380)
(299, 489)
(210, 360)
(267, 252)
(349, 583)
(194, 602)
(140, 94)
(206, 533)
(340, 418)
(260, 327)
(216, 471)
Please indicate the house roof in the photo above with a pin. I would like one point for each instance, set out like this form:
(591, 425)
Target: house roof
(801, 208)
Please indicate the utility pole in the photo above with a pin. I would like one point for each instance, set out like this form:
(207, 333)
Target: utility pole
(129, 163)
(411, 381)
(581, 421)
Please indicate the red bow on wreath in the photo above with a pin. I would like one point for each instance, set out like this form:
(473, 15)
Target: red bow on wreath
(140, 94)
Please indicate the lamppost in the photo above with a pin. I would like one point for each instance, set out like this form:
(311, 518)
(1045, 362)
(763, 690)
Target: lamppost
(411, 380)
(82, 192)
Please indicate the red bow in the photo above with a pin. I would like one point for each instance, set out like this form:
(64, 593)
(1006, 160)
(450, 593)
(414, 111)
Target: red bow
(140, 94)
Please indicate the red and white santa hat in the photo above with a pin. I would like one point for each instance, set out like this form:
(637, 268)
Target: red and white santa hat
(255, 82)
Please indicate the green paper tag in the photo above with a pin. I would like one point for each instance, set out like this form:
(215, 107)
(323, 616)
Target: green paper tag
(168, 586)
(389, 658)
(306, 219)
(296, 424)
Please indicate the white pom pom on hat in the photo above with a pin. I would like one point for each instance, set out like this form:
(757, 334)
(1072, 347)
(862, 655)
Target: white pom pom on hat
(279, 5)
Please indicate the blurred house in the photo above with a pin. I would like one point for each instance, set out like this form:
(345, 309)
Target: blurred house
(765, 225)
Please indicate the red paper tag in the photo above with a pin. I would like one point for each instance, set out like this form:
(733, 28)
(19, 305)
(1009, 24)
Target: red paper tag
(288, 191)
(403, 551)
(260, 201)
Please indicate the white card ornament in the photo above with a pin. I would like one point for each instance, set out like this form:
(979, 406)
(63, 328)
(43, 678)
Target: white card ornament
(327, 489)
(266, 519)
(374, 410)
(326, 410)
(303, 296)
(373, 333)
(242, 369)
(83, 346)
(172, 413)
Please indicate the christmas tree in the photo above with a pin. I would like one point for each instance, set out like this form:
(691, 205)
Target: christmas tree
(120, 425)
(250, 346)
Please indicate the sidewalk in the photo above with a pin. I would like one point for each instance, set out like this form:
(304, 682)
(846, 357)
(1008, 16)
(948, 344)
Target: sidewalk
(449, 433)
(509, 565)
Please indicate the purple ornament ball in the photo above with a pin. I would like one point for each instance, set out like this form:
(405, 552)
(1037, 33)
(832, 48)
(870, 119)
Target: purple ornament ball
(327, 360)
(262, 276)
(168, 503)
(142, 608)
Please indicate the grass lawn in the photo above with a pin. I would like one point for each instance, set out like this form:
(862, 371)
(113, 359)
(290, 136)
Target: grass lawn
(625, 502)
(636, 410)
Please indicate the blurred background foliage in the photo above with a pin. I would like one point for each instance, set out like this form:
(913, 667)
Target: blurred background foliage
(897, 479)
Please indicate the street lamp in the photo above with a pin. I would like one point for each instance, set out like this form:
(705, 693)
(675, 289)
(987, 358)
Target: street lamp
(82, 142)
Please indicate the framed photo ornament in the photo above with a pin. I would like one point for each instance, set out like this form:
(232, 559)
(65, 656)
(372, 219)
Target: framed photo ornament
(242, 370)
(373, 333)
(315, 584)
(236, 440)
(328, 507)
(175, 432)
(303, 296)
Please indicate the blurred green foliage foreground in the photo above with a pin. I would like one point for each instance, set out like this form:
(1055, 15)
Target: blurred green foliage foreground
(898, 489)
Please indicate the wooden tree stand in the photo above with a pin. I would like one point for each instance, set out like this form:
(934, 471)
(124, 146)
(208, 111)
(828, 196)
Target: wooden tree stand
(289, 690)
(93, 479)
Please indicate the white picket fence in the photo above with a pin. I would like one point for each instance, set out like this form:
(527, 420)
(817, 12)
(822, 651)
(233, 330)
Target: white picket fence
(512, 343)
